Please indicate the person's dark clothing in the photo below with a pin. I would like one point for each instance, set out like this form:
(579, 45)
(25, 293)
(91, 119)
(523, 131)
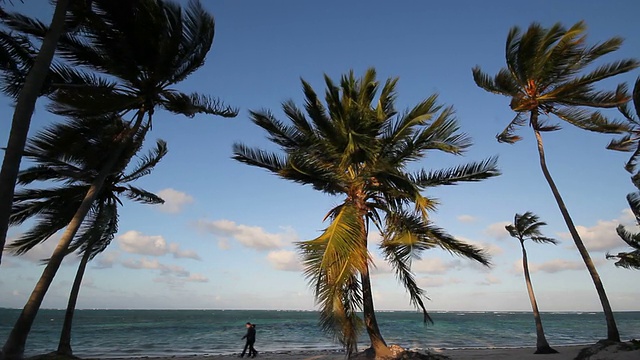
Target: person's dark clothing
(251, 339)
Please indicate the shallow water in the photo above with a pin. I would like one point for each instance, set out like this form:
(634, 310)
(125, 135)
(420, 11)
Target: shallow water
(120, 333)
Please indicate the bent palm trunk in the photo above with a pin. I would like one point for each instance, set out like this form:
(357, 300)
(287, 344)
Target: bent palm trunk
(64, 346)
(612, 329)
(542, 346)
(22, 116)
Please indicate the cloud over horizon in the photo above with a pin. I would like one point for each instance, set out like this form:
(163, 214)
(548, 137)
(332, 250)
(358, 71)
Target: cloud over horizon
(135, 242)
(253, 237)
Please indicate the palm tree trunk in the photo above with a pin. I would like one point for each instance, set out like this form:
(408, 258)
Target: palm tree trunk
(14, 347)
(22, 116)
(378, 344)
(542, 346)
(612, 329)
(64, 346)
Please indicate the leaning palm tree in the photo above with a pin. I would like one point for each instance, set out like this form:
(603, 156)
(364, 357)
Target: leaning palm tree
(72, 154)
(358, 148)
(118, 63)
(68, 14)
(25, 103)
(545, 75)
(527, 226)
(630, 142)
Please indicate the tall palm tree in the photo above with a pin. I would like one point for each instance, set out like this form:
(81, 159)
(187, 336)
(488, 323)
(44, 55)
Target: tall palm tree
(547, 74)
(133, 53)
(21, 121)
(358, 148)
(630, 142)
(72, 153)
(527, 226)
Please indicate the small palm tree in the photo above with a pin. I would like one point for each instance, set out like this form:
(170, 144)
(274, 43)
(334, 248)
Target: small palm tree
(545, 75)
(358, 147)
(527, 226)
(72, 153)
(118, 63)
(630, 142)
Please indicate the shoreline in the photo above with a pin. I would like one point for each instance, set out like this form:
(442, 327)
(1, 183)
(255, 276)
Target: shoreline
(565, 352)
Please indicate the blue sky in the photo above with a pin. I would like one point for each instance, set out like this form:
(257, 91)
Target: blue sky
(223, 240)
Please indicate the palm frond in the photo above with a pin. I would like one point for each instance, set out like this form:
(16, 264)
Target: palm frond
(331, 263)
(508, 134)
(474, 171)
(260, 158)
(142, 196)
(193, 104)
(591, 120)
(148, 162)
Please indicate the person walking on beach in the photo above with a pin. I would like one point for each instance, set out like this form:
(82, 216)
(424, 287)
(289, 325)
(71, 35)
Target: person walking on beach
(251, 339)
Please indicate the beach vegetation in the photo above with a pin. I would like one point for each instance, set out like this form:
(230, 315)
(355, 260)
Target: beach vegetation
(357, 147)
(125, 65)
(527, 227)
(71, 154)
(548, 73)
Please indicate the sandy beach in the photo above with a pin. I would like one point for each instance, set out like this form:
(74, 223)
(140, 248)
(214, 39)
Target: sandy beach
(565, 353)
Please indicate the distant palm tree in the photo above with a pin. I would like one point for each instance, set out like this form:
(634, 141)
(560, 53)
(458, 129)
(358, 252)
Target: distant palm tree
(358, 147)
(544, 76)
(121, 64)
(527, 226)
(72, 153)
(630, 142)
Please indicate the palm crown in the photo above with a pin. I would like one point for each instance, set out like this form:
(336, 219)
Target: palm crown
(144, 55)
(547, 73)
(71, 154)
(358, 146)
(527, 226)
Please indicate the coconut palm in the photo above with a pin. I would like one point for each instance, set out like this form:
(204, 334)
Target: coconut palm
(546, 75)
(527, 226)
(72, 154)
(118, 63)
(630, 142)
(21, 121)
(358, 148)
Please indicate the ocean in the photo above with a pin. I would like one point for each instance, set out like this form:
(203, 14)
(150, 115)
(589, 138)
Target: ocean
(133, 333)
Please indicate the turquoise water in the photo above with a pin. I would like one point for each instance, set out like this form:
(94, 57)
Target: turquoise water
(119, 333)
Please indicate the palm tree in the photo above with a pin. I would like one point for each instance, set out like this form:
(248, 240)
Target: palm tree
(72, 154)
(630, 142)
(132, 64)
(21, 121)
(358, 148)
(527, 226)
(545, 75)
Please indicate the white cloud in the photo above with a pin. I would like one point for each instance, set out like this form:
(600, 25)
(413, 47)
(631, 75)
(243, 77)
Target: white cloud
(555, 266)
(466, 218)
(284, 260)
(602, 236)
(174, 200)
(135, 242)
(154, 264)
(249, 236)
(177, 282)
(497, 230)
